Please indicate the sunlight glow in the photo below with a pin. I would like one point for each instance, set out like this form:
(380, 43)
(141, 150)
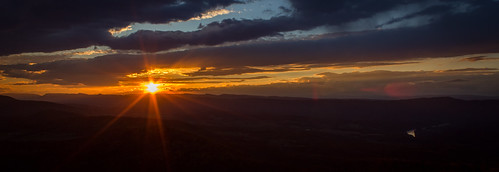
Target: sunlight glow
(152, 87)
(164, 72)
(211, 14)
(115, 31)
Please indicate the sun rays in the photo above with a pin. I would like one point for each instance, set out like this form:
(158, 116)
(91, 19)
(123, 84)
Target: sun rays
(153, 116)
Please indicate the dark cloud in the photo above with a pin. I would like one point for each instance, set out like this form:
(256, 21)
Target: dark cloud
(478, 58)
(474, 59)
(26, 59)
(285, 10)
(94, 72)
(242, 70)
(457, 80)
(200, 26)
(472, 70)
(268, 11)
(46, 26)
(434, 10)
(307, 15)
(229, 30)
(364, 64)
(452, 34)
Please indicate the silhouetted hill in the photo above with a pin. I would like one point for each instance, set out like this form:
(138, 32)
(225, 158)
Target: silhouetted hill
(248, 133)
(6, 100)
(11, 107)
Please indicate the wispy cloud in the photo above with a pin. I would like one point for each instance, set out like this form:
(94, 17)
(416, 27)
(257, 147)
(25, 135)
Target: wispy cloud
(373, 84)
(116, 31)
(478, 58)
(211, 14)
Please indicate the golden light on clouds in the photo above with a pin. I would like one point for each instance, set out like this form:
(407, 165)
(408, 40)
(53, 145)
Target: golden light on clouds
(115, 31)
(163, 79)
(211, 14)
(93, 52)
(179, 79)
(163, 73)
(35, 72)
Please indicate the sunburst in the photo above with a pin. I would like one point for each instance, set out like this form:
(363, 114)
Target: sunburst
(152, 87)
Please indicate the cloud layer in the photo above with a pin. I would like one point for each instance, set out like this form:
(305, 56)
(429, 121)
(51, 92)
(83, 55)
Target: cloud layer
(377, 84)
(353, 33)
(45, 26)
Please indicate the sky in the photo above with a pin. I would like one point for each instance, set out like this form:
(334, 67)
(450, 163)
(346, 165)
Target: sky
(297, 48)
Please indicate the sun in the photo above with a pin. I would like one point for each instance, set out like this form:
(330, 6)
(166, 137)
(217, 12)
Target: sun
(152, 87)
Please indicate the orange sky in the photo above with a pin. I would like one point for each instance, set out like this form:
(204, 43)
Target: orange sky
(178, 80)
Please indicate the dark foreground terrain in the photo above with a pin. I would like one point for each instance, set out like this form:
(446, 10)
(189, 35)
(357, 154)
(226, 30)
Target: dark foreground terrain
(246, 133)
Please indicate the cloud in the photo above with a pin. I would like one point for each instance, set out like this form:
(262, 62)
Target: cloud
(472, 70)
(191, 80)
(474, 59)
(92, 72)
(242, 70)
(307, 15)
(4, 89)
(211, 14)
(228, 30)
(24, 83)
(82, 24)
(215, 78)
(285, 10)
(374, 84)
(363, 64)
(115, 31)
(47, 26)
(216, 71)
(451, 34)
(26, 59)
(399, 44)
(477, 58)
(101, 71)
(365, 49)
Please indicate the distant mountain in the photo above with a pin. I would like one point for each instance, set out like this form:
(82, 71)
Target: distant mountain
(6, 99)
(10, 106)
(86, 99)
(21, 96)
